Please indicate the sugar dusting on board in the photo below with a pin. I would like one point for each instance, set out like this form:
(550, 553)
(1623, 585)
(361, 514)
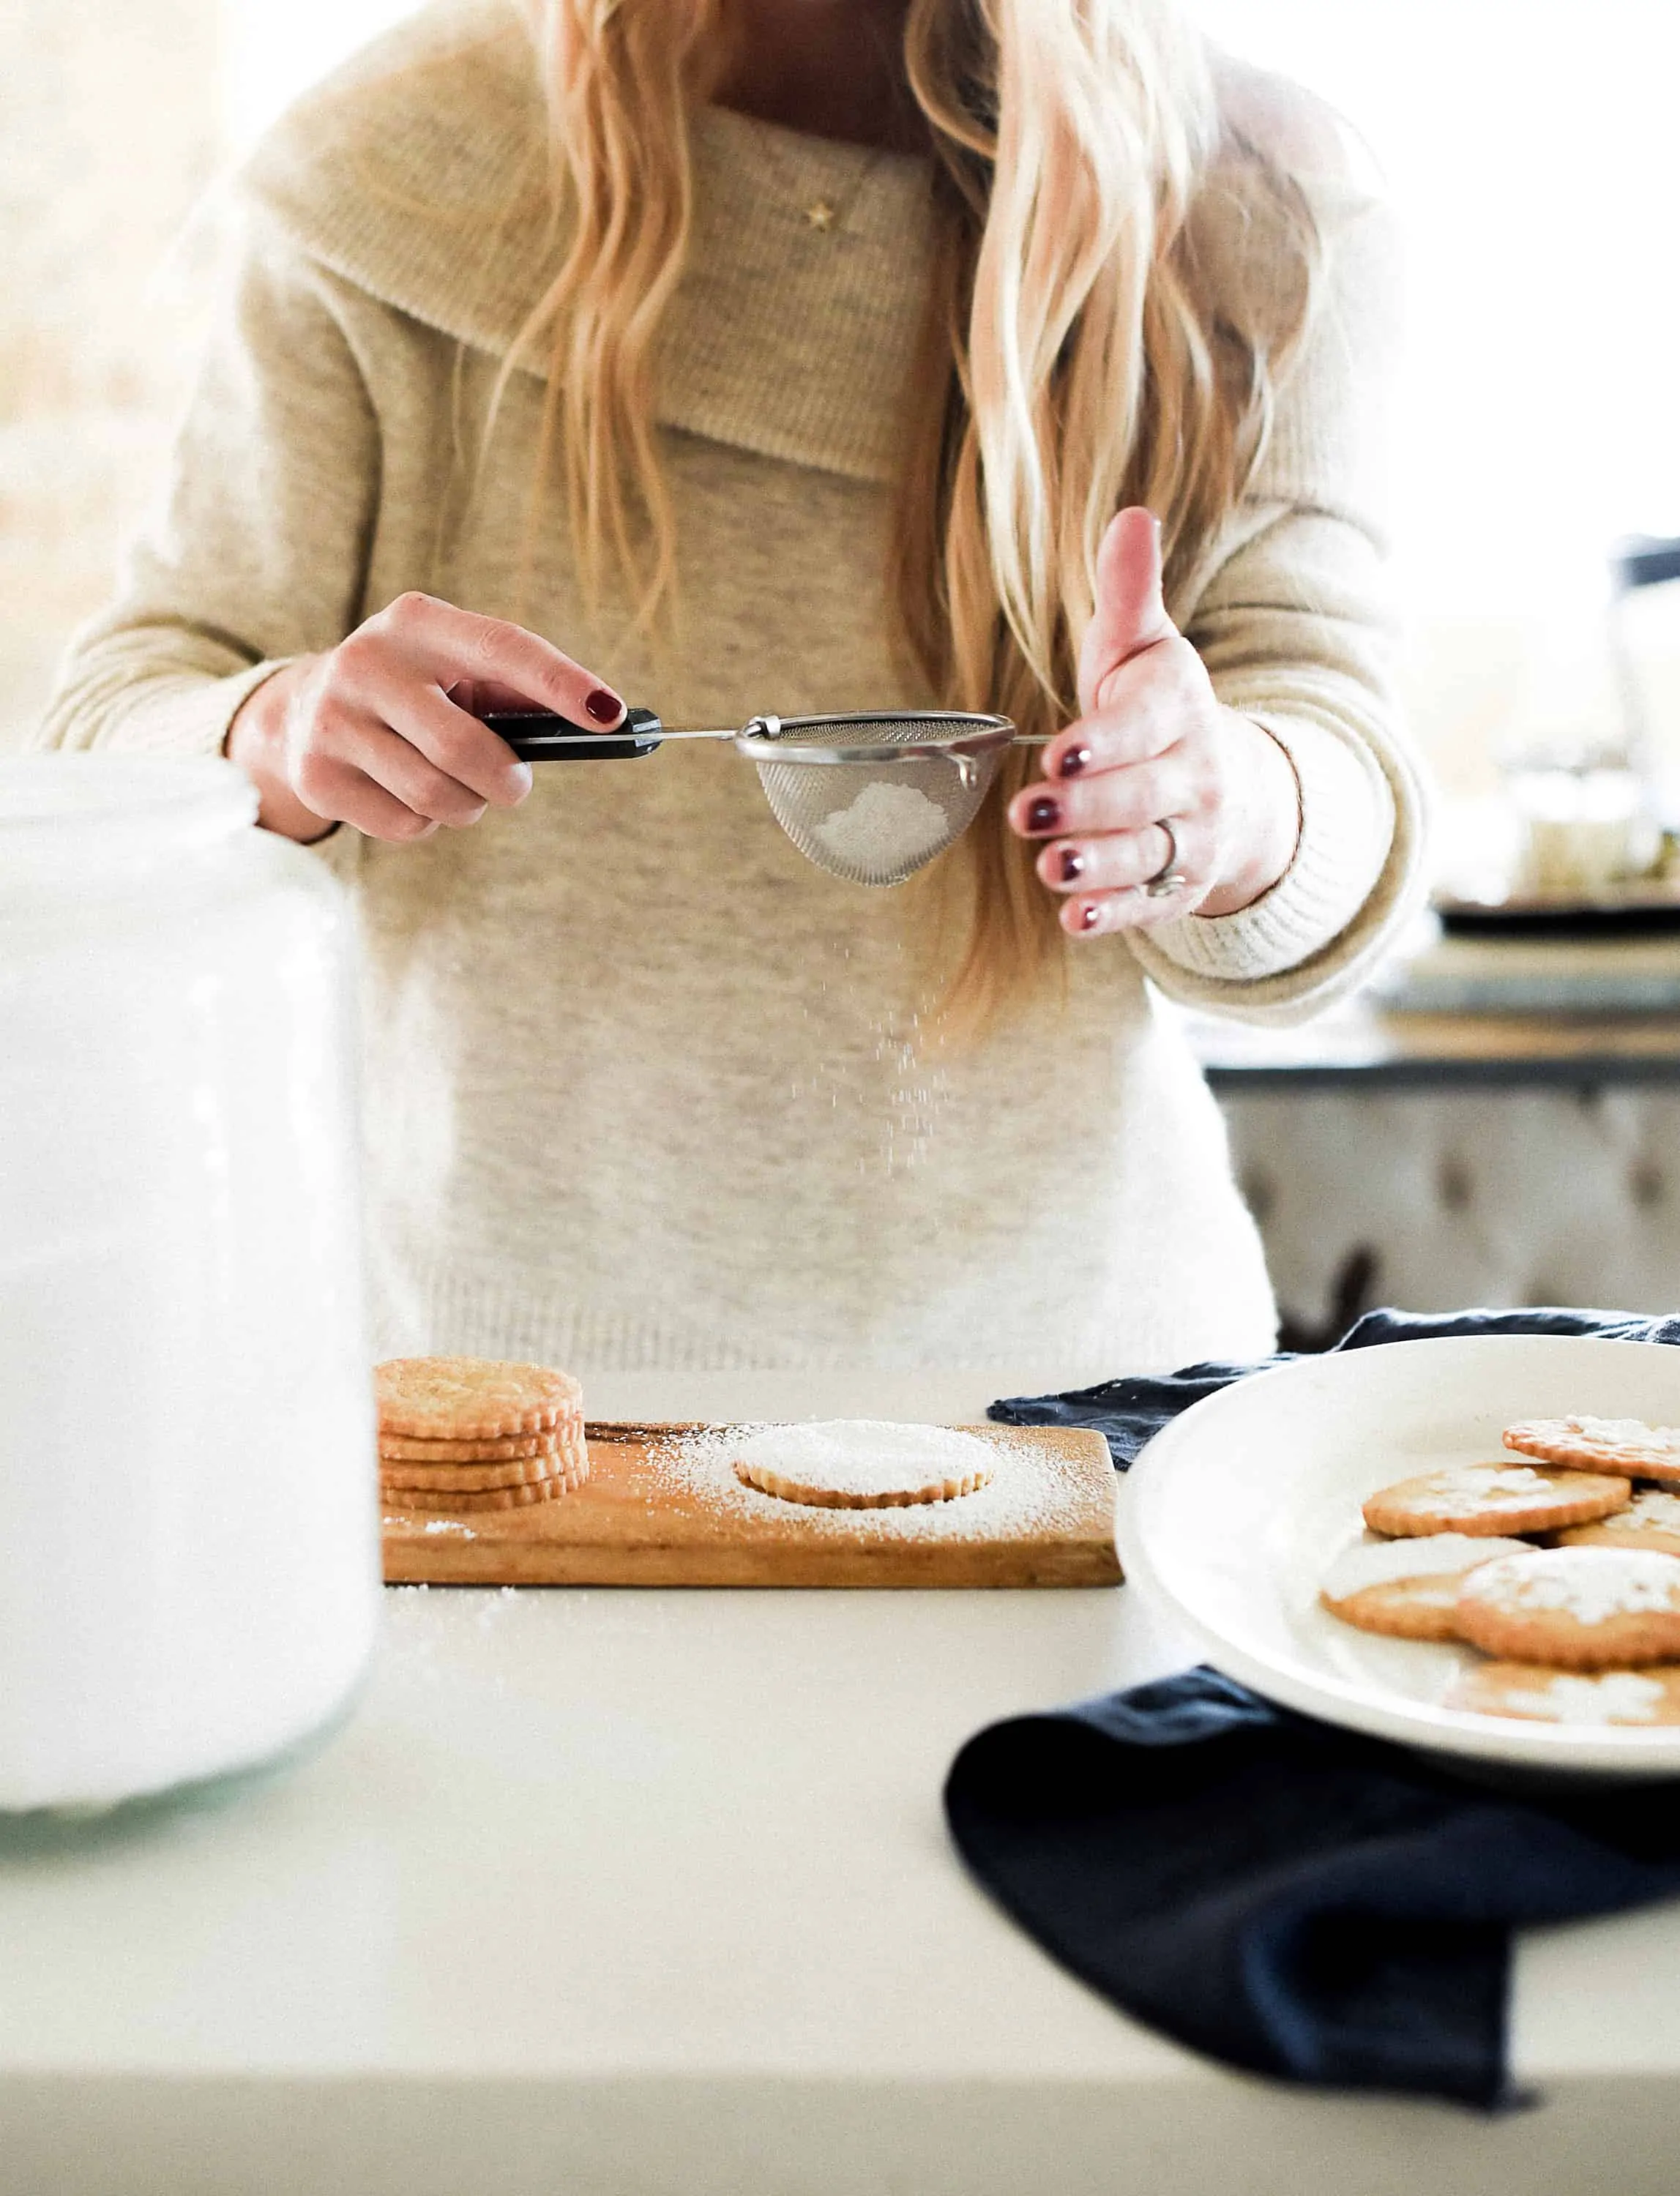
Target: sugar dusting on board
(1033, 1490)
(406, 1524)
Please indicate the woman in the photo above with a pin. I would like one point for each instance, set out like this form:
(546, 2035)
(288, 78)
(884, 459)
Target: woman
(796, 355)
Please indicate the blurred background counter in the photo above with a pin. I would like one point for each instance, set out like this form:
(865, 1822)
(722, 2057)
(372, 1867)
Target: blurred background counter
(1433, 1161)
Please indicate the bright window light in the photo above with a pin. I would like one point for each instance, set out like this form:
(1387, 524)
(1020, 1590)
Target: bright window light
(1527, 145)
(277, 49)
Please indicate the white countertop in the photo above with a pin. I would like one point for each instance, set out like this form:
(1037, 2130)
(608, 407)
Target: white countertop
(621, 1891)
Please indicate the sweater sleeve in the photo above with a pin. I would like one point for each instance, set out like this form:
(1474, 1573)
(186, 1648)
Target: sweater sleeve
(1289, 613)
(255, 550)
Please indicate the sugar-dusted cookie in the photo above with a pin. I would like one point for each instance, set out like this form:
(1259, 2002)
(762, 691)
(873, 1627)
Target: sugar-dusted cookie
(1650, 1695)
(1581, 1608)
(1408, 1589)
(1651, 1520)
(409, 1448)
(471, 1398)
(1493, 1498)
(459, 1503)
(1625, 1445)
(863, 1463)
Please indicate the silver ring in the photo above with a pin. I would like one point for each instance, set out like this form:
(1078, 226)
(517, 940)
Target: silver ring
(1169, 878)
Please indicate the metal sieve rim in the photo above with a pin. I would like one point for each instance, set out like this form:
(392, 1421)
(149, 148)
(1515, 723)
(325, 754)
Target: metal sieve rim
(764, 739)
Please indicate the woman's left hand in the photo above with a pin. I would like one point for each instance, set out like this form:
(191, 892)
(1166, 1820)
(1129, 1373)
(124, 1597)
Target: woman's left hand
(1157, 778)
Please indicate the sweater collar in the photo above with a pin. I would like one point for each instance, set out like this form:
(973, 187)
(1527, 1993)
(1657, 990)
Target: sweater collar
(419, 175)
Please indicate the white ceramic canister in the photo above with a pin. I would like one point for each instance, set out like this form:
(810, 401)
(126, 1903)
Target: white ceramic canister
(190, 1573)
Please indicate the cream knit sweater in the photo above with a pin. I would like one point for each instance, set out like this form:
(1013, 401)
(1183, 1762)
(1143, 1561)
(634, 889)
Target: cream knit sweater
(643, 1087)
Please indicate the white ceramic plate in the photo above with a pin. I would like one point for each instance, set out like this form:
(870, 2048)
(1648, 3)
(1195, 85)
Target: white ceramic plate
(1237, 1510)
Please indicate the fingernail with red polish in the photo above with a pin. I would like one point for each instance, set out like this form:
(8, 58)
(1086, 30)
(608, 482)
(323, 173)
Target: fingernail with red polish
(1073, 866)
(1090, 917)
(603, 706)
(1044, 815)
(1073, 761)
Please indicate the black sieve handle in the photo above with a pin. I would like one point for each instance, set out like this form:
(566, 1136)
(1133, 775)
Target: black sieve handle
(539, 736)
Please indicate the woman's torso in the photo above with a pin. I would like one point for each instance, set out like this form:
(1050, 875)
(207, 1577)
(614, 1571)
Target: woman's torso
(644, 1085)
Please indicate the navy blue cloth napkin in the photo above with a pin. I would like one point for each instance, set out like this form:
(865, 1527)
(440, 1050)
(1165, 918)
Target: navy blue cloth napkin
(1283, 1895)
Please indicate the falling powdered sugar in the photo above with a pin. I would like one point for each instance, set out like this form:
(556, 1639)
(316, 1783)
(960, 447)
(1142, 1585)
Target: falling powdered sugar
(884, 828)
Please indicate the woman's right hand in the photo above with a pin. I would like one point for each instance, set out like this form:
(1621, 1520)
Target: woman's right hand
(372, 732)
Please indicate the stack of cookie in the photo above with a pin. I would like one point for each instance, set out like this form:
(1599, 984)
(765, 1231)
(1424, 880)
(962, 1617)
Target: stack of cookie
(465, 1434)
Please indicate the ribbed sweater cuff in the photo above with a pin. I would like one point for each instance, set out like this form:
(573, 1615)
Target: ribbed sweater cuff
(1346, 821)
(186, 714)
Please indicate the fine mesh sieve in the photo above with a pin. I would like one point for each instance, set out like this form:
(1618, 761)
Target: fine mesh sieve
(873, 798)
(870, 798)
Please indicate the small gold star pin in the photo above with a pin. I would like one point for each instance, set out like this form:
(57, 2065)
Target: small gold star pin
(820, 214)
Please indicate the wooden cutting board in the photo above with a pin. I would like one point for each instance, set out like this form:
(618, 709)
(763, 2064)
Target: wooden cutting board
(667, 1509)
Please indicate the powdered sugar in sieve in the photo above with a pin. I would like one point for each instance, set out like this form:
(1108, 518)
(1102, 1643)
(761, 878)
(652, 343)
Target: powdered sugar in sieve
(887, 827)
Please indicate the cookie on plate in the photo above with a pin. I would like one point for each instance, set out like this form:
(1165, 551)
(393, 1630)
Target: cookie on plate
(1408, 1589)
(1494, 1498)
(1651, 1520)
(1648, 1696)
(455, 1399)
(1577, 1608)
(1625, 1445)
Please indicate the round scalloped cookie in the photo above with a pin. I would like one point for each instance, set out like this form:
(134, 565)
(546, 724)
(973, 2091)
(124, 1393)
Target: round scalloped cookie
(455, 1399)
(1493, 1499)
(1648, 1696)
(483, 1478)
(1651, 1520)
(510, 1449)
(1628, 1446)
(1580, 1608)
(1408, 1589)
(863, 1463)
(465, 1504)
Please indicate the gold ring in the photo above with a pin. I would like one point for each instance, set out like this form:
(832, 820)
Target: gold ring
(1169, 878)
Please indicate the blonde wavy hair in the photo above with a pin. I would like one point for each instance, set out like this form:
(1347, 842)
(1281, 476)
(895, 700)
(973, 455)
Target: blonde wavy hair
(1083, 355)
